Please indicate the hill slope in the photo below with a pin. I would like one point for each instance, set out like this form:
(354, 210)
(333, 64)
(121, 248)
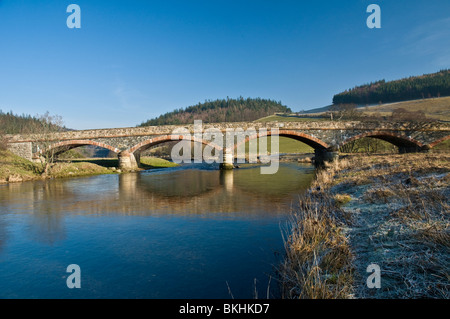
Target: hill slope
(438, 108)
(225, 110)
(414, 87)
(434, 108)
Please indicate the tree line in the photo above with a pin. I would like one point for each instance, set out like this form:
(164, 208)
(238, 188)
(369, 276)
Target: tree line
(11, 123)
(412, 88)
(221, 110)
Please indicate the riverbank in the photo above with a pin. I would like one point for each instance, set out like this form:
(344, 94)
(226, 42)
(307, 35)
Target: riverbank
(16, 169)
(390, 210)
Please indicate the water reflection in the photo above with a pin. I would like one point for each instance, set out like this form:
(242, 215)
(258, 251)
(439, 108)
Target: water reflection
(166, 191)
(201, 209)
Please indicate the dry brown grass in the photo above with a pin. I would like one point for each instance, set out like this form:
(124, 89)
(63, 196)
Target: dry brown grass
(318, 257)
(374, 195)
(3, 142)
(361, 169)
(434, 108)
(415, 235)
(406, 198)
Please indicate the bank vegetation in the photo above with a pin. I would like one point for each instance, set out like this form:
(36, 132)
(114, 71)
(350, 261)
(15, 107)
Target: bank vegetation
(389, 210)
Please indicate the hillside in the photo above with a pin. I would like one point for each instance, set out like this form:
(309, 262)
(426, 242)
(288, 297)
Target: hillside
(438, 108)
(433, 108)
(11, 123)
(414, 87)
(225, 110)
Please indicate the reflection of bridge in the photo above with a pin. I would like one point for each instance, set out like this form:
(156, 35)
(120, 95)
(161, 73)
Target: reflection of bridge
(153, 192)
(324, 136)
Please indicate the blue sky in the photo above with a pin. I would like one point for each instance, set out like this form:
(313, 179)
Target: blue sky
(134, 60)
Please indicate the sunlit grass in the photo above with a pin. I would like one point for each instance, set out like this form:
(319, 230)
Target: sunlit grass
(286, 145)
(155, 162)
(13, 165)
(434, 108)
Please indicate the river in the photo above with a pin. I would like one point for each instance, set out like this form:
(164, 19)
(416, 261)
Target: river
(185, 232)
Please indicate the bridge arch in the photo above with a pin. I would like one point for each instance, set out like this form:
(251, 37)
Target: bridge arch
(431, 145)
(140, 147)
(404, 143)
(63, 146)
(309, 140)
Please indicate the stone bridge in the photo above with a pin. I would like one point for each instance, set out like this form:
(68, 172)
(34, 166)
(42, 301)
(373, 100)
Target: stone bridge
(326, 137)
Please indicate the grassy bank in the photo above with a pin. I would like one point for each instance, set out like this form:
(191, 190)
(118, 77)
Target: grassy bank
(389, 210)
(155, 162)
(16, 169)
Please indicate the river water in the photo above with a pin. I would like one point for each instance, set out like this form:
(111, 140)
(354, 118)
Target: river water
(186, 232)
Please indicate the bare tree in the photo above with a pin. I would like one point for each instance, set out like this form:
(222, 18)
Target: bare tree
(44, 130)
(345, 111)
(3, 142)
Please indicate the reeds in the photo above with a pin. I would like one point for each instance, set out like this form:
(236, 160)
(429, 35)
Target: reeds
(318, 257)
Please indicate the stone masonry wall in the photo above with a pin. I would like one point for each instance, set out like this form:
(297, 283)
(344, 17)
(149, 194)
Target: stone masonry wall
(333, 133)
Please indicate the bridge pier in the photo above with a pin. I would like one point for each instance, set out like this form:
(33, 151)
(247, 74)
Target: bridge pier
(227, 160)
(127, 161)
(137, 157)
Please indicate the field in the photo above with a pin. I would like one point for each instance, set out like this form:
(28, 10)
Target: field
(286, 145)
(434, 108)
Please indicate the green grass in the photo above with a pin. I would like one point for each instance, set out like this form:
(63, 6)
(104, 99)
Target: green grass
(369, 145)
(105, 162)
(59, 170)
(155, 162)
(11, 164)
(443, 146)
(286, 145)
(147, 162)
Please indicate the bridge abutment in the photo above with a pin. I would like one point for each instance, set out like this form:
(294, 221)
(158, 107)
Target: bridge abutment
(23, 150)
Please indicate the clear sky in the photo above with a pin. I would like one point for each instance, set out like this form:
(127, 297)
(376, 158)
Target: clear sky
(134, 60)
